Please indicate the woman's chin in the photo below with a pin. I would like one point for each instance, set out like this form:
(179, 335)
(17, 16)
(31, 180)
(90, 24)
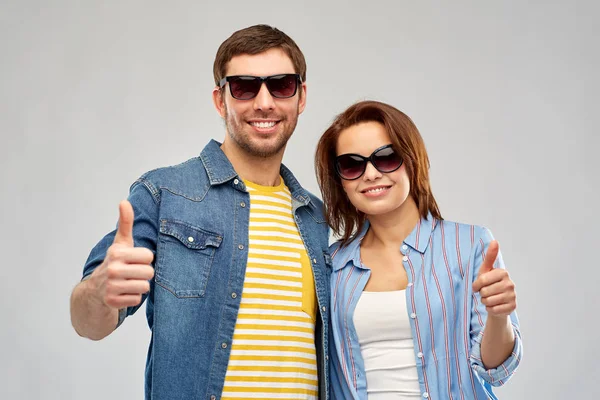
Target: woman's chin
(375, 210)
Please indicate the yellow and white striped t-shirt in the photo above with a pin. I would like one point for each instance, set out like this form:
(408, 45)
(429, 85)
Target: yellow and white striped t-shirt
(273, 351)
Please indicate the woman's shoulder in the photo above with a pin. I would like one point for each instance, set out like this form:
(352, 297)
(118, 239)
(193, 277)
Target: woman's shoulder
(464, 231)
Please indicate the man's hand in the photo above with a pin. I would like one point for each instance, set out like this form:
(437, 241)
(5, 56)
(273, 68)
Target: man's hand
(123, 277)
(494, 285)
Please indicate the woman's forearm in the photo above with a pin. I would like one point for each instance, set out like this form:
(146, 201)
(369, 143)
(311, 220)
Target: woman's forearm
(498, 341)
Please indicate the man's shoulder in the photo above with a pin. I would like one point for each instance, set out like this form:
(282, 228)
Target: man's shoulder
(192, 166)
(188, 179)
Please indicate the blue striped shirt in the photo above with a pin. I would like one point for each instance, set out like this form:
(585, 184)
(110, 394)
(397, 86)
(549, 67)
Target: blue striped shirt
(447, 319)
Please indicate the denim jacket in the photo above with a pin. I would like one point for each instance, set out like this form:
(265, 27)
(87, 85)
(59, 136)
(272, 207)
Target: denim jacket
(194, 217)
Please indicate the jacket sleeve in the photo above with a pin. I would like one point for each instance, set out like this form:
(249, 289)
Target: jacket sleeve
(143, 198)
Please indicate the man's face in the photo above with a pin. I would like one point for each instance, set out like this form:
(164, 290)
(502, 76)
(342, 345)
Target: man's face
(262, 125)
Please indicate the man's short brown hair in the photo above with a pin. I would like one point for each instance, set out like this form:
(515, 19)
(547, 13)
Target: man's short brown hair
(255, 40)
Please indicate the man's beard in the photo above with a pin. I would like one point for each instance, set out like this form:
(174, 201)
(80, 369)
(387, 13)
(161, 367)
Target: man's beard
(259, 148)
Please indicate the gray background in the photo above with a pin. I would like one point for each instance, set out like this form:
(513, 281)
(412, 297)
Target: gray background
(93, 94)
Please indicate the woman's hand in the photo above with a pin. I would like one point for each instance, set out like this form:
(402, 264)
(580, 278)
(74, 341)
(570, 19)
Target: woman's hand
(494, 285)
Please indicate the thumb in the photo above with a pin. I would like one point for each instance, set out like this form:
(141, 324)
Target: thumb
(124, 234)
(490, 257)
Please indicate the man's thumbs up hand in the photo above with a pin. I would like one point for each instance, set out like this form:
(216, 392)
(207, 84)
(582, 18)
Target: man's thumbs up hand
(123, 277)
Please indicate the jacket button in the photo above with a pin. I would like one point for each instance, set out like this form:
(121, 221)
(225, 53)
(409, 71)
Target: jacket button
(242, 204)
(241, 247)
(223, 345)
(233, 295)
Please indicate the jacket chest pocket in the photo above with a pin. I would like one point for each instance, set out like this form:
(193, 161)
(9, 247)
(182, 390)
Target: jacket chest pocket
(185, 256)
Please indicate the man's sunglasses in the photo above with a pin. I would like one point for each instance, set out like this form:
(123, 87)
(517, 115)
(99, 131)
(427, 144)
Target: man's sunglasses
(353, 166)
(246, 87)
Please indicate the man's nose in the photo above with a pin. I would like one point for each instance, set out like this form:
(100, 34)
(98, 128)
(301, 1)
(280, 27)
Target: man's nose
(263, 100)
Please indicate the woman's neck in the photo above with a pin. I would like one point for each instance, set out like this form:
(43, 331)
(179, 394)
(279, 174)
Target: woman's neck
(391, 229)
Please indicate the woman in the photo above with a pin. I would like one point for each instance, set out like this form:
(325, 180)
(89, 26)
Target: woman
(411, 293)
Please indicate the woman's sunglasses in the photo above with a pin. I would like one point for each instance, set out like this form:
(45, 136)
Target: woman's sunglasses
(353, 166)
(246, 87)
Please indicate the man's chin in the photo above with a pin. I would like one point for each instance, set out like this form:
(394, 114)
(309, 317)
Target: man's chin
(266, 151)
(260, 147)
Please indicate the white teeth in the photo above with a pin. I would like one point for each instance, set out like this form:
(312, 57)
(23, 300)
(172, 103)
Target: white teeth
(377, 190)
(269, 124)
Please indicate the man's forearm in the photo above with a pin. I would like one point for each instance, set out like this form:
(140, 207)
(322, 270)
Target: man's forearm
(498, 341)
(89, 316)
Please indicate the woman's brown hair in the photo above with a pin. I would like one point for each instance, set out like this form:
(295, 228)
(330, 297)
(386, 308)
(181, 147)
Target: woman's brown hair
(343, 218)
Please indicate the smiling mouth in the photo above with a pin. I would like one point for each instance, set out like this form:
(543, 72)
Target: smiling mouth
(376, 190)
(263, 124)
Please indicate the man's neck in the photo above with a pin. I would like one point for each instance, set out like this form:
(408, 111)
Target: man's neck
(263, 171)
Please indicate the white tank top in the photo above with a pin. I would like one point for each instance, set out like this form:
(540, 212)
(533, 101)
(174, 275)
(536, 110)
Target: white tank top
(387, 346)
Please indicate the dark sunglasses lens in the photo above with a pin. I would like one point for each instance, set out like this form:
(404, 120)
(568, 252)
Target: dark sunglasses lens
(282, 86)
(350, 167)
(386, 160)
(244, 88)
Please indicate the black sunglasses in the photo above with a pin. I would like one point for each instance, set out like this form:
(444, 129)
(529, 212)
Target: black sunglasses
(353, 166)
(246, 87)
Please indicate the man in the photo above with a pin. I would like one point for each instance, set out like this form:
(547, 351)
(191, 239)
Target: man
(229, 251)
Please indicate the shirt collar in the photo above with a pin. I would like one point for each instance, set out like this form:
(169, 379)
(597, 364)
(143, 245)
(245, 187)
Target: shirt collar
(351, 252)
(217, 165)
(219, 170)
(296, 190)
(418, 239)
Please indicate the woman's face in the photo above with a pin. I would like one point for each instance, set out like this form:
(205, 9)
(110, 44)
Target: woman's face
(374, 193)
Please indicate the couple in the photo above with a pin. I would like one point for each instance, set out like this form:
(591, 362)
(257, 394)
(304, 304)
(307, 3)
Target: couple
(244, 296)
